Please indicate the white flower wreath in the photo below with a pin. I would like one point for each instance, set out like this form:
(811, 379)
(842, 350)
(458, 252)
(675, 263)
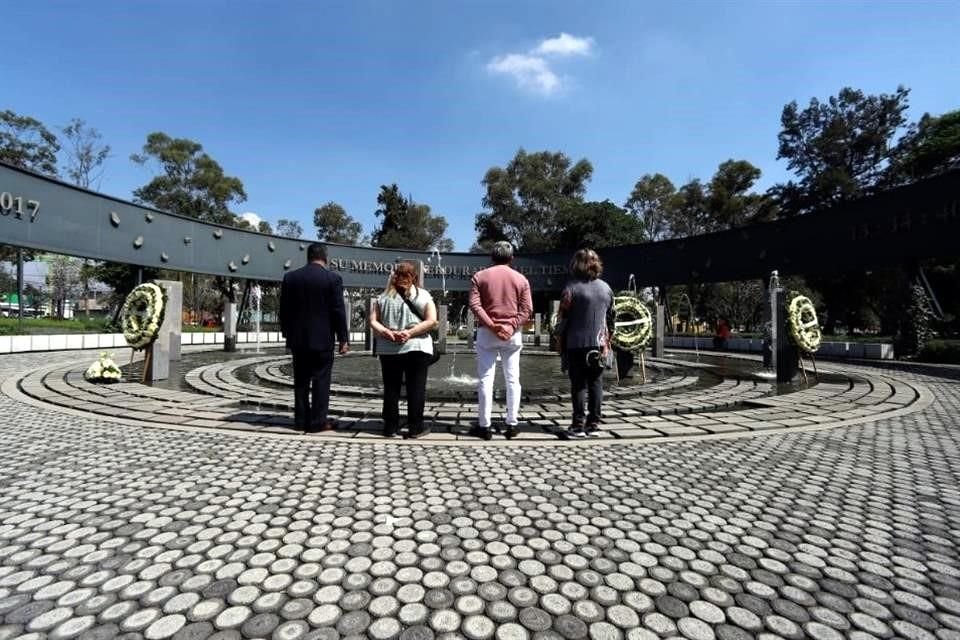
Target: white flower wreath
(804, 326)
(103, 370)
(142, 315)
(633, 324)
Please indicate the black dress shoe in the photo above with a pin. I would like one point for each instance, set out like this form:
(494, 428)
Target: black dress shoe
(511, 432)
(418, 433)
(480, 432)
(326, 425)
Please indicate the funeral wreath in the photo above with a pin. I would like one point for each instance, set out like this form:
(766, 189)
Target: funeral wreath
(142, 315)
(804, 326)
(633, 324)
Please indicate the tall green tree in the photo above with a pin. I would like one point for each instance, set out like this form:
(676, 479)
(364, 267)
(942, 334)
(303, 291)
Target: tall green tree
(597, 225)
(406, 224)
(335, 225)
(289, 228)
(525, 198)
(650, 202)
(85, 153)
(190, 182)
(929, 147)
(838, 149)
(26, 143)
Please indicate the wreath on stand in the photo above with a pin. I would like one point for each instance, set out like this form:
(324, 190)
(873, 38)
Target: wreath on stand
(142, 315)
(633, 323)
(804, 326)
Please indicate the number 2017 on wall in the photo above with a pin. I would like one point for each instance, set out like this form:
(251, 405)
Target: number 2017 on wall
(16, 205)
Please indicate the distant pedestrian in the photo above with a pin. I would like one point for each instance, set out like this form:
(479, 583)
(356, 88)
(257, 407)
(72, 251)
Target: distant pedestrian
(586, 324)
(500, 299)
(402, 320)
(312, 317)
(722, 335)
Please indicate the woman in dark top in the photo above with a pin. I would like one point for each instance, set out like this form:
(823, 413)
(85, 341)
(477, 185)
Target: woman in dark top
(586, 322)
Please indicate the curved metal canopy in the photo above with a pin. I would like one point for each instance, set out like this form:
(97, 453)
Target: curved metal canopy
(917, 221)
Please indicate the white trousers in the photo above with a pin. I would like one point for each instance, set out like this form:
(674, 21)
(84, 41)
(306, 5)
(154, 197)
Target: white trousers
(489, 346)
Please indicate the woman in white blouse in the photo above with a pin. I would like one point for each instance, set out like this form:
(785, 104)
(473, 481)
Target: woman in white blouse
(402, 320)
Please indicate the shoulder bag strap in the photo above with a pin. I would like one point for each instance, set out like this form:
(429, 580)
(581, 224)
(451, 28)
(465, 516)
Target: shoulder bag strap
(413, 308)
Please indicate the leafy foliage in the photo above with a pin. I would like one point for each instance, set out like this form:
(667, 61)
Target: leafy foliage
(289, 228)
(190, 183)
(26, 143)
(335, 225)
(406, 224)
(85, 153)
(597, 225)
(527, 198)
(839, 148)
(929, 147)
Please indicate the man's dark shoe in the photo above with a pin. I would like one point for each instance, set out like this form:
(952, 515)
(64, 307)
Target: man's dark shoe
(511, 432)
(419, 433)
(480, 432)
(390, 433)
(326, 425)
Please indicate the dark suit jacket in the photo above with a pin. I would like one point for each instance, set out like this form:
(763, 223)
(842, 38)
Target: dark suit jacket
(312, 313)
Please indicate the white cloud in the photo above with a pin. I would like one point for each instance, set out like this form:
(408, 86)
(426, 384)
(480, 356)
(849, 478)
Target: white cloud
(252, 218)
(530, 72)
(565, 45)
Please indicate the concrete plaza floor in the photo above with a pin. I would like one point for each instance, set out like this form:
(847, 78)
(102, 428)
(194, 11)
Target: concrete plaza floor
(109, 529)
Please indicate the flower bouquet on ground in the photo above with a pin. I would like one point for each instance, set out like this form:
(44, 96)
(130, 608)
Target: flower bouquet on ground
(104, 370)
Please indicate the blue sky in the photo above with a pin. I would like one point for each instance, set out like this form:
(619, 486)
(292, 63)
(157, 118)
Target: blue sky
(309, 102)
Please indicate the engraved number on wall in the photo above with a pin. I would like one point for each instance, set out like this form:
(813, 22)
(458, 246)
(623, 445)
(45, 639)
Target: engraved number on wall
(18, 206)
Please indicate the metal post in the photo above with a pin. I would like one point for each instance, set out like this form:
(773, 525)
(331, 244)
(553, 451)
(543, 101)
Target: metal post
(19, 290)
(368, 331)
(444, 327)
(772, 288)
(537, 328)
(659, 324)
(348, 312)
(471, 328)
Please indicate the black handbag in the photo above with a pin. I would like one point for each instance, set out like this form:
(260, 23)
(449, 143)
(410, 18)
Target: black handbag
(435, 355)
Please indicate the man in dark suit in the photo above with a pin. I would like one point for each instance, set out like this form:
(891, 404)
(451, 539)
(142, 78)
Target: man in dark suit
(312, 315)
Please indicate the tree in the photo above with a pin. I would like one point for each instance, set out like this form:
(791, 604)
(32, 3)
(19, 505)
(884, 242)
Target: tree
(596, 224)
(64, 282)
(191, 183)
(526, 198)
(929, 147)
(26, 143)
(408, 225)
(649, 202)
(289, 228)
(121, 278)
(84, 152)
(838, 149)
(335, 225)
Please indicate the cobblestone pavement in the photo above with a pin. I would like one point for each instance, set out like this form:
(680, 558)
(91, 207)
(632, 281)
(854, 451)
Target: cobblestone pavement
(108, 530)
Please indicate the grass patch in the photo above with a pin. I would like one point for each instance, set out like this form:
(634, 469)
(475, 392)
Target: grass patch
(40, 326)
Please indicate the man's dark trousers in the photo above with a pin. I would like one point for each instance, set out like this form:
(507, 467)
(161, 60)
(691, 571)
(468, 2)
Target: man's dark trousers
(311, 377)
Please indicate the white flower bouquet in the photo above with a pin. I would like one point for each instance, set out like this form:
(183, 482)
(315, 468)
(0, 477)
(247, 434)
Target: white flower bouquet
(103, 370)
